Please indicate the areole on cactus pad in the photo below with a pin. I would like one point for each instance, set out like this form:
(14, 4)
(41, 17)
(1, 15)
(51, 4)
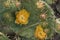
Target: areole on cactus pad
(31, 19)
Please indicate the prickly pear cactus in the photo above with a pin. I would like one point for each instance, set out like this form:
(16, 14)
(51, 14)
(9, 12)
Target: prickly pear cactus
(29, 19)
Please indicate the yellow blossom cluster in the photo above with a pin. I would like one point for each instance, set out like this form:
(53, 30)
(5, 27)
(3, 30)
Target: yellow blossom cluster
(22, 17)
(39, 33)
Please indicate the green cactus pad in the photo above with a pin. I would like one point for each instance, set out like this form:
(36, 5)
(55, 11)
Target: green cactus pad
(40, 13)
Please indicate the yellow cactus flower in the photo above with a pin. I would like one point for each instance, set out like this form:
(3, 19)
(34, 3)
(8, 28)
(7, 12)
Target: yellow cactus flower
(22, 17)
(39, 33)
(39, 28)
